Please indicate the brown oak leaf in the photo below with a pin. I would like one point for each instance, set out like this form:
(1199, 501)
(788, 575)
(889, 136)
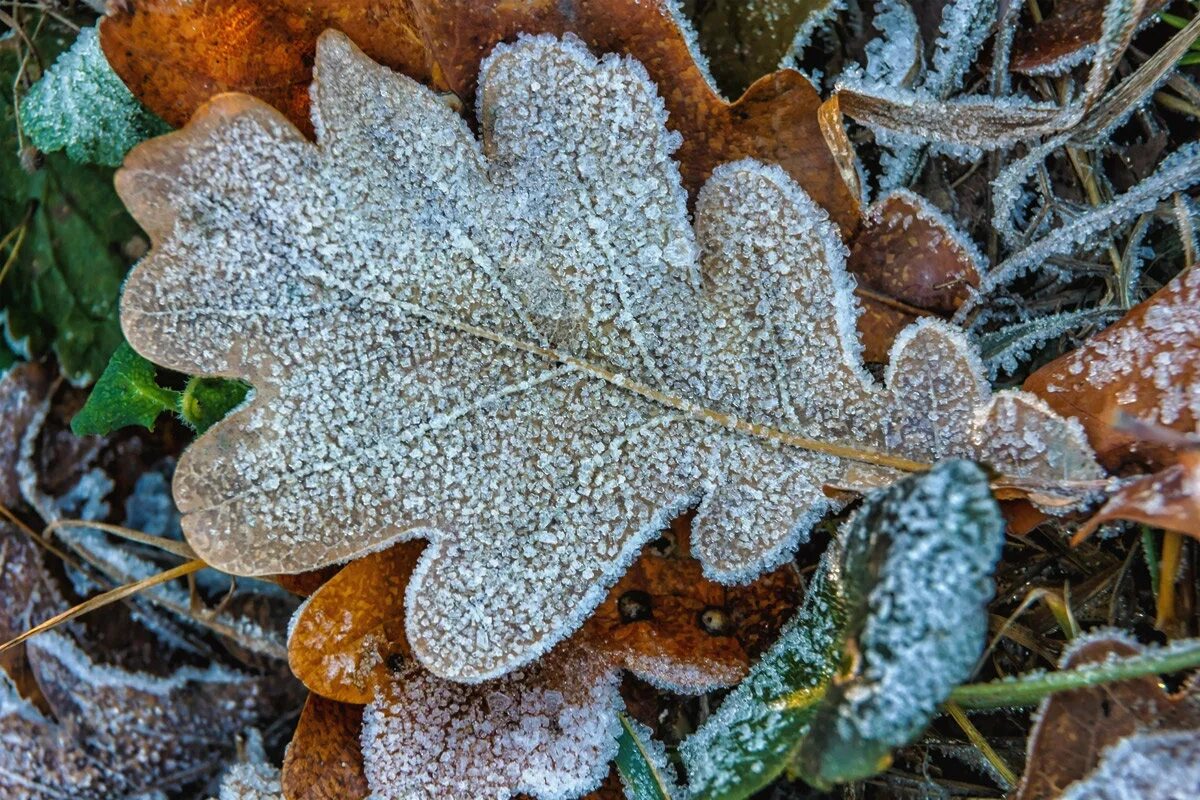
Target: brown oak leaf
(910, 261)
(663, 621)
(1145, 366)
(1074, 729)
(175, 55)
(1167, 499)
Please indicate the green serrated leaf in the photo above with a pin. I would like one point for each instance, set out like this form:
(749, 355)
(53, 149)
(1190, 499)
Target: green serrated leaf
(206, 401)
(60, 293)
(642, 764)
(894, 621)
(126, 394)
(82, 107)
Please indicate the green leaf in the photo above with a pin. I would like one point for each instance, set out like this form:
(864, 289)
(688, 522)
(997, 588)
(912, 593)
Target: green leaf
(82, 107)
(126, 394)
(750, 740)
(642, 764)
(206, 401)
(894, 621)
(60, 293)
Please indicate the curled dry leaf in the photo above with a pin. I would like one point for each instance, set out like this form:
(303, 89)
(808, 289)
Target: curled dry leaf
(1074, 729)
(1146, 366)
(1167, 499)
(521, 350)
(176, 55)
(1066, 37)
(663, 621)
(909, 261)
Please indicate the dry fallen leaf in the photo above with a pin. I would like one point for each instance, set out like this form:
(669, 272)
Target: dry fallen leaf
(663, 621)
(176, 55)
(22, 389)
(324, 760)
(106, 731)
(909, 261)
(1066, 37)
(508, 349)
(1074, 729)
(1167, 499)
(1145, 366)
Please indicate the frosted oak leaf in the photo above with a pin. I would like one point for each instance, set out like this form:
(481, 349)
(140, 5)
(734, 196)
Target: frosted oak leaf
(519, 348)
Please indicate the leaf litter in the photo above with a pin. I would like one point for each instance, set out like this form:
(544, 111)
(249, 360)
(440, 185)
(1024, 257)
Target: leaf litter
(1030, 201)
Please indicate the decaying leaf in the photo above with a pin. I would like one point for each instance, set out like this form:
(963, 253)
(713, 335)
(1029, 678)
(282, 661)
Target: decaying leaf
(105, 731)
(324, 760)
(1167, 499)
(1146, 366)
(176, 55)
(909, 260)
(1064, 38)
(508, 349)
(1077, 730)
(663, 621)
(22, 389)
(253, 777)
(746, 39)
(894, 619)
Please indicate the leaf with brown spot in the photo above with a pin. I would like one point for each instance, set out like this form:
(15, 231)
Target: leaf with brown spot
(668, 625)
(910, 261)
(1146, 366)
(348, 644)
(1064, 38)
(324, 759)
(1074, 728)
(175, 55)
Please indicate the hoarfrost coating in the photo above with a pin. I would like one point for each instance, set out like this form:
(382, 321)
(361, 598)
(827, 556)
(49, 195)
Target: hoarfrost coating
(519, 348)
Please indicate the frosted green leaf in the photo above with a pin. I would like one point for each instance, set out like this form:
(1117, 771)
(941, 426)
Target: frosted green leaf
(520, 349)
(642, 764)
(895, 619)
(126, 394)
(60, 293)
(1004, 350)
(82, 107)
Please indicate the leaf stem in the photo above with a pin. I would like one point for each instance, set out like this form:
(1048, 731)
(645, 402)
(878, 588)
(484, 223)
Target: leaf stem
(1028, 690)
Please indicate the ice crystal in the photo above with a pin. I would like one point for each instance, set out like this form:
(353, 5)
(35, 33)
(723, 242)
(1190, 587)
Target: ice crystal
(894, 56)
(81, 106)
(253, 777)
(1146, 766)
(520, 349)
(549, 730)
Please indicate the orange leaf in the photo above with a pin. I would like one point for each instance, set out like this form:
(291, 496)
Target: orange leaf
(324, 761)
(343, 640)
(663, 621)
(1146, 365)
(668, 625)
(1168, 499)
(1074, 728)
(174, 55)
(910, 261)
